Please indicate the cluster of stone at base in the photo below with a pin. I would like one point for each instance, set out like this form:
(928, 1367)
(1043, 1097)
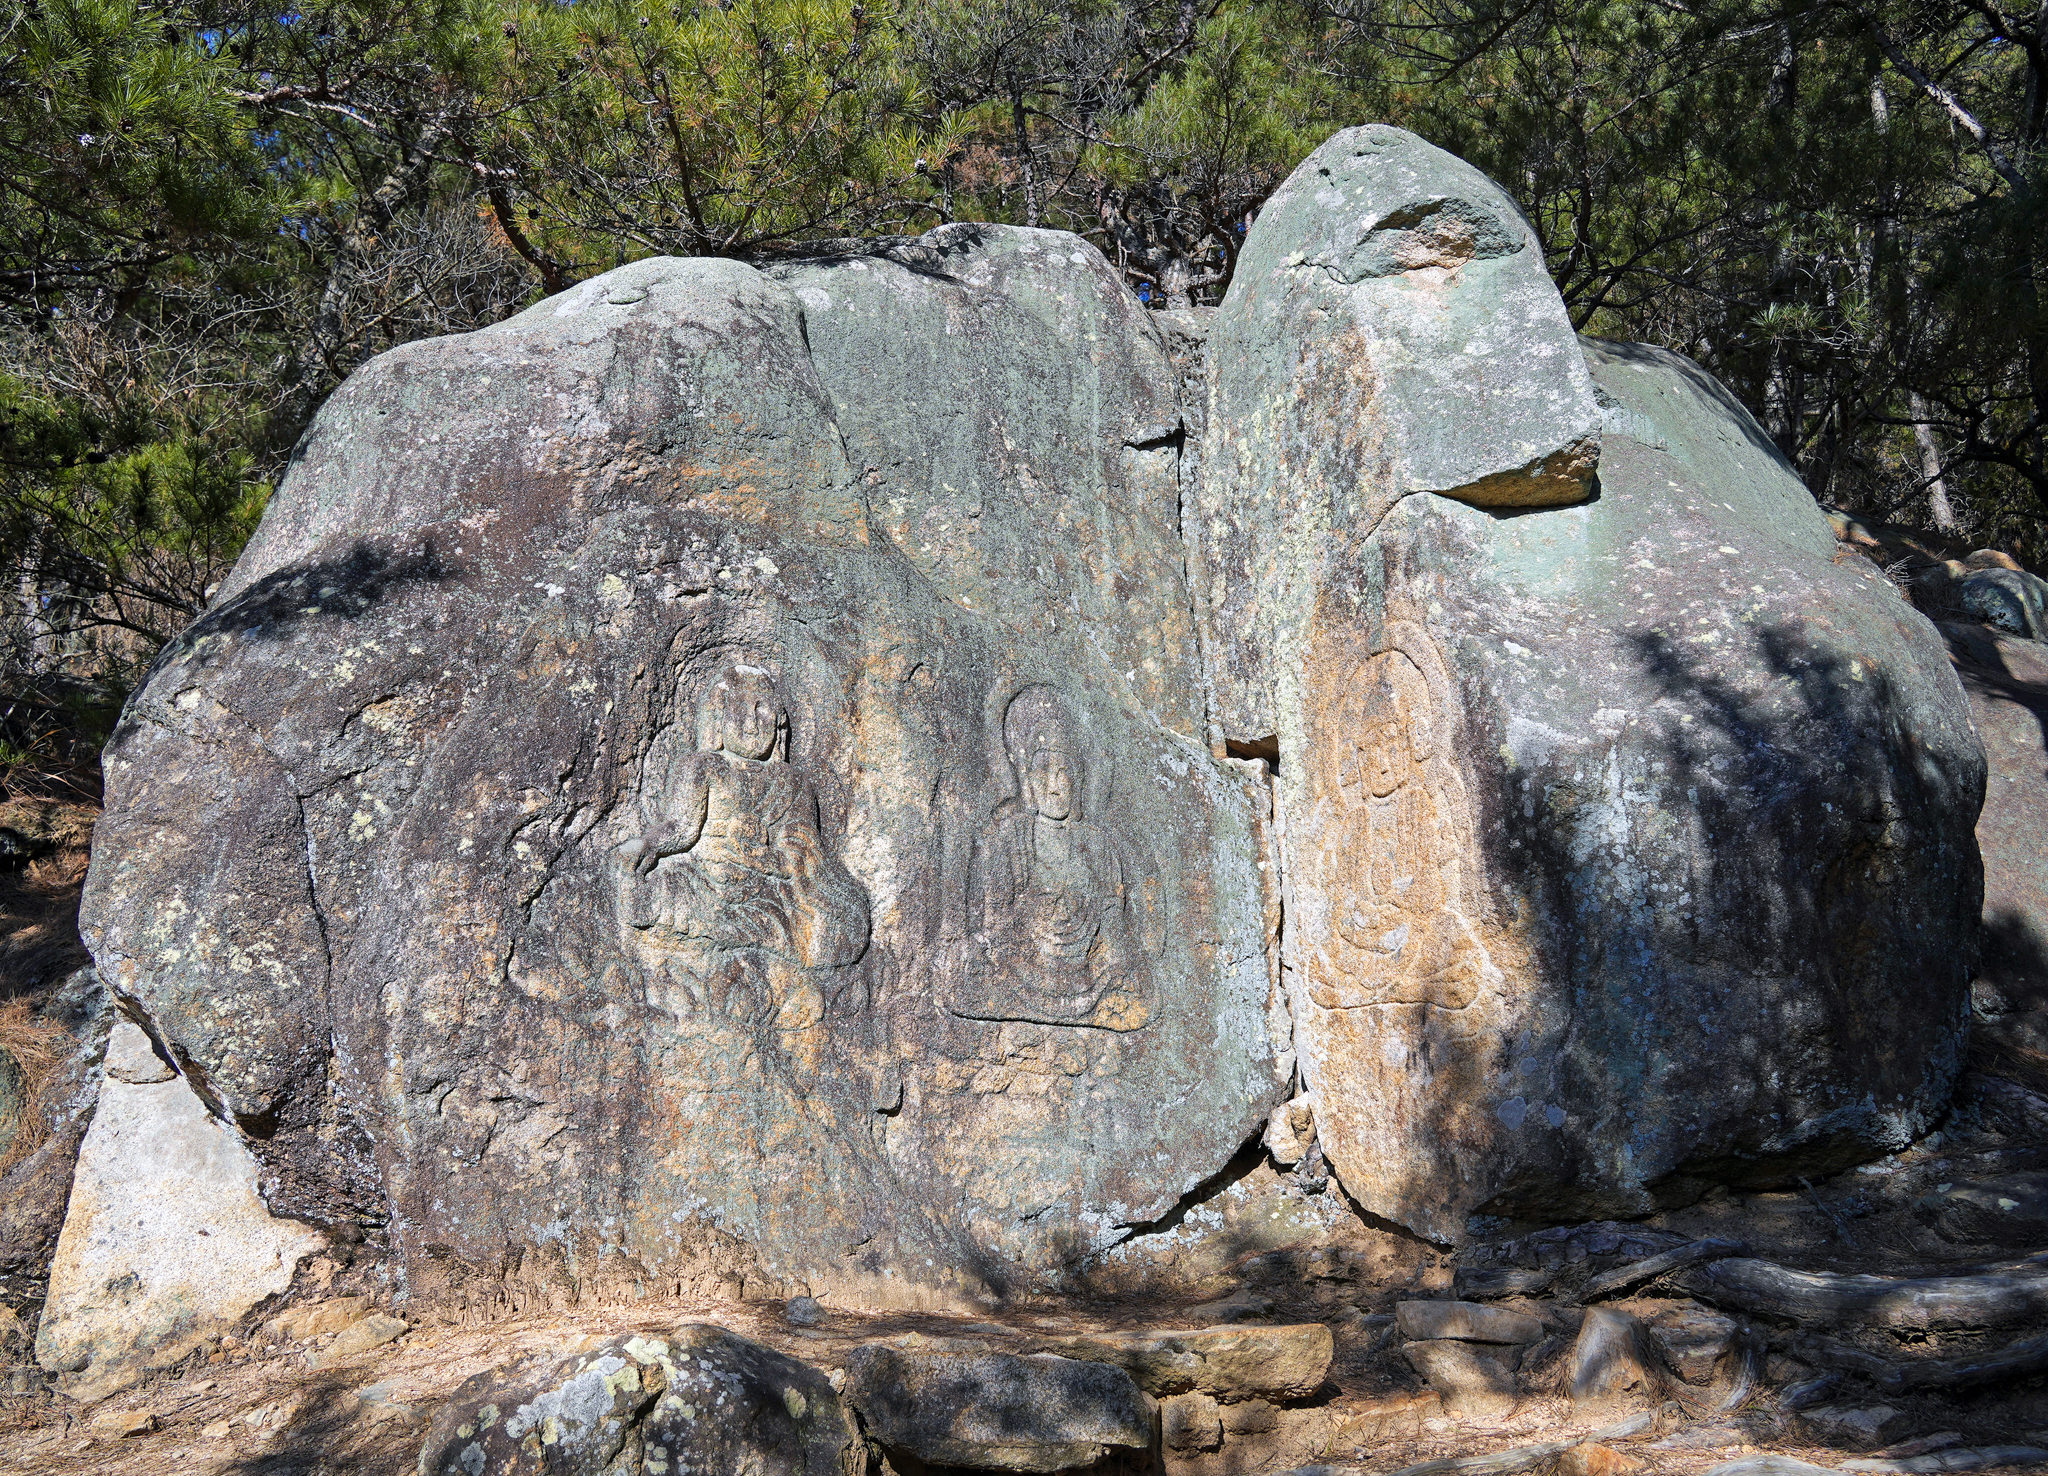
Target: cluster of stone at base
(704, 1399)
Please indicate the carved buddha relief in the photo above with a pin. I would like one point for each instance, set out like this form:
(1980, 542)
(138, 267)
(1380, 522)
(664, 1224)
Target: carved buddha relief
(1048, 891)
(1399, 930)
(729, 892)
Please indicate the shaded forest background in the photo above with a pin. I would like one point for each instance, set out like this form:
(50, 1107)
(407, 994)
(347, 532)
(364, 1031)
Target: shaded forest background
(211, 213)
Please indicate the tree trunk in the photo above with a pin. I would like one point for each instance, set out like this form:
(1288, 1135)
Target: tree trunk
(1938, 506)
(1024, 155)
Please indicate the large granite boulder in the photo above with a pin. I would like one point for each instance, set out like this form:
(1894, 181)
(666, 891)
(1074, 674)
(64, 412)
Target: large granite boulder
(725, 777)
(600, 821)
(1627, 844)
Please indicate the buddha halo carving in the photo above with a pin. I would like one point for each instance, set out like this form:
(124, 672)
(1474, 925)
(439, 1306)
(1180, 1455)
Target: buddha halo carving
(728, 892)
(1393, 854)
(1048, 890)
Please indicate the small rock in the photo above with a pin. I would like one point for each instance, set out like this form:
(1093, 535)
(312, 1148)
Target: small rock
(712, 1400)
(122, 1423)
(1610, 1376)
(1908, 1448)
(1693, 1340)
(1467, 1322)
(218, 1430)
(1862, 1426)
(1809, 1391)
(303, 1324)
(2010, 599)
(1592, 1459)
(143, 1276)
(803, 1312)
(373, 1331)
(1962, 1458)
(997, 1411)
(2008, 1211)
(1473, 1384)
(1228, 1362)
(1291, 1131)
(1190, 1422)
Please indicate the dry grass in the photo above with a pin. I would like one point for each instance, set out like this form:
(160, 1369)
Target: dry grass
(39, 941)
(37, 1047)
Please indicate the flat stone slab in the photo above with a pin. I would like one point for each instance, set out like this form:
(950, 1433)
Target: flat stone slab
(1468, 1322)
(997, 1411)
(1230, 1363)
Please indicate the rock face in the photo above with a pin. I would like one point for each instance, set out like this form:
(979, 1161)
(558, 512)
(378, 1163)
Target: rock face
(1625, 844)
(166, 1244)
(674, 851)
(700, 1399)
(727, 774)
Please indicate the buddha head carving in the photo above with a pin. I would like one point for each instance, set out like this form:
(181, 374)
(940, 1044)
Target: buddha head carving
(742, 713)
(1045, 754)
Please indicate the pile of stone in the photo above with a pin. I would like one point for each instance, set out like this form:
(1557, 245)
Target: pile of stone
(704, 1399)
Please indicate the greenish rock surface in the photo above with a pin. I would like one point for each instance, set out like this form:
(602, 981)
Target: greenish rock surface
(581, 826)
(1626, 844)
(2011, 599)
(1390, 331)
(697, 1399)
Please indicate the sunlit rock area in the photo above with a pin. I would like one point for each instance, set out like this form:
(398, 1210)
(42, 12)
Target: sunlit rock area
(900, 863)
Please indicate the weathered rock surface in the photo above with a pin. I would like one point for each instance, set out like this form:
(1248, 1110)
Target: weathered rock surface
(2008, 1211)
(1860, 1426)
(874, 939)
(1593, 1459)
(1190, 1422)
(1692, 1339)
(1468, 1322)
(1610, 832)
(166, 1243)
(699, 1399)
(2011, 599)
(1473, 1381)
(997, 1411)
(1230, 1363)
